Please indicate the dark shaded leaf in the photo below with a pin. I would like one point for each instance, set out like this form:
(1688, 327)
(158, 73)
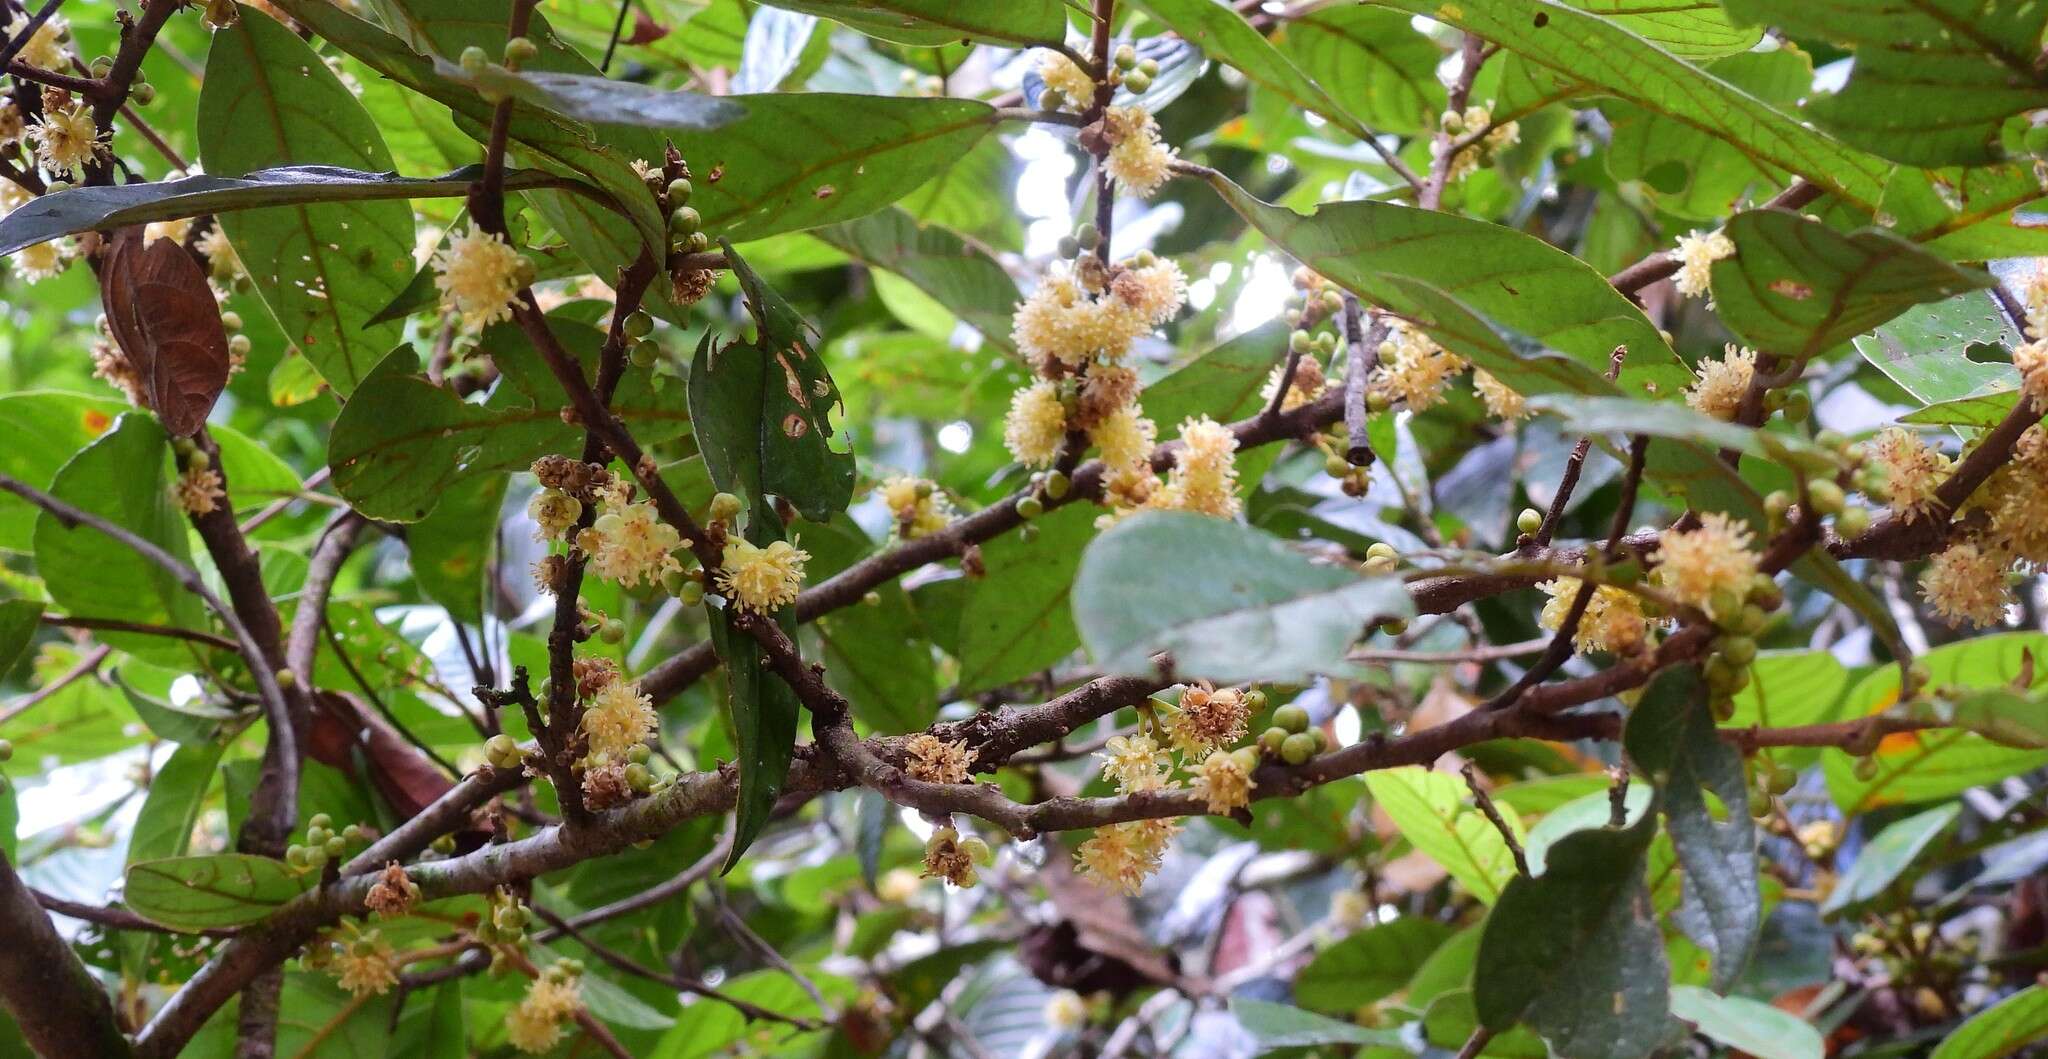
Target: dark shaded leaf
(162, 314)
(1889, 857)
(1274, 1026)
(601, 100)
(176, 792)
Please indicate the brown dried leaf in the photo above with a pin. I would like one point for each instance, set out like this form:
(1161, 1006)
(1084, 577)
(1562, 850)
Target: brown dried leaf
(163, 316)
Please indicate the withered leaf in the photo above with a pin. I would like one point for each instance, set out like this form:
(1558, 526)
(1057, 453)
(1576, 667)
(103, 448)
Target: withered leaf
(164, 318)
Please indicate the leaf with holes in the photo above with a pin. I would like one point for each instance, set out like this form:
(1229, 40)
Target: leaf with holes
(1797, 288)
(1932, 351)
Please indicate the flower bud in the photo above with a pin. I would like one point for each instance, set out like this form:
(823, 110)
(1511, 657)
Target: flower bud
(679, 191)
(1292, 718)
(519, 51)
(1529, 521)
(1030, 507)
(725, 507)
(474, 60)
(1088, 235)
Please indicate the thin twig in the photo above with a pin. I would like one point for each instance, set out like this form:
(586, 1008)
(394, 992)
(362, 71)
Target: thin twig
(1500, 824)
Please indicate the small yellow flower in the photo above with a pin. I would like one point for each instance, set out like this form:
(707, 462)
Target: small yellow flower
(1497, 139)
(1065, 76)
(1204, 475)
(1153, 287)
(46, 50)
(1137, 159)
(762, 579)
(1125, 438)
(366, 966)
(1913, 472)
(1413, 368)
(1966, 585)
(936, 760)
(394, 893)
(1501, 402)
(1036, 425)
(629, 544)
(200, 490)
(1208, 719)
(1065, 1010)
(112, 365)
(946, 858)
(920, 509)
(1121, 857)
(1307, 385)
(535, 1025)
(1710, 561)
(66, 139)
(479, 275)
(618, 718)
(12, 128)
(12, 195)
(2031, 358)
(174, 230)
(40, 261)
(1696, 253)
(1349, 909)
(553, 513)
(1613, 620)
(221, 259)
(1718, 390)
(1224, 783)
(1135, 763)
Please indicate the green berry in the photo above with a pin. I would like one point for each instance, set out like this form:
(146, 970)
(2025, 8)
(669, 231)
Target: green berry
(520, 50)
(239, 345)
(1069, 246)
(502, 751)
(1394, 628)
(1738, 650)
(685, 220)
(1057, 484)
(639, 778)
(637, 324)
(335, 846)
(1750, 620)
(1798, 406)
(1247, 757)
(644, 353)
(1780, 780)
(1255, 700)
(1382, 550)
(1138, 83)
(231, 321)
(1027, 534)
(725, 507)
(1148, 67)
(977, 851)
(1825, 496)
(103, 66)
(1126, 57)
(692, 593)
(143, 94)
(1030, 507)
(1088, 235)
(1300, 342)
(1052, 99)
(613, 631)
(316, 858)
(474, 60)
(1529, 521)
(1852, 522)
(1336, 466)
(1291, 717)
(1298, 748)
(352, 833)
(1271, 739)
(1865, 769)
(295, 856)
(320, 820)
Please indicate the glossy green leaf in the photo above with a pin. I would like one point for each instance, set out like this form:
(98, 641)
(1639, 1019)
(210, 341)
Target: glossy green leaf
(191, 724)
(1369, 965)
(451, 548)
(322, 268)
(1927, 351)
(1268, 614)
(1888, 857)
(1584, 47)
(164, 827)
(19, 619)
(1383, 252)
(969, 283)
(600, 100)
(1671, 737)
(1689, 29)
(1373, 64)
(1018, 619)
(1576, 952)
(1429, 809)
(1750, 1026)
(1796, 287)
(122, 478)
(86, 209)
(1788, 688)
(1221, 32)
(874, 653)
(1693, 173)
(404, 443)
(1933, 79)
(763, 711)
(2000, 1030)
(764, 410)
(927, 23)
(1273, 1026)
(1667, 419)
(220, 890)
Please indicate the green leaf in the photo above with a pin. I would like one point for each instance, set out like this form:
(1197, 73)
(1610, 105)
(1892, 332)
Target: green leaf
(1926, 350)
(2004, 716)
(1369, 965)
(958, 276)
(1933, 79)
(1923, 766)
(121, 478)
(19, 619)
(1788, 688)
(44, 430)
(1668, 419)
(323, 269)
(1274, 1026)
(1429, 809)
(1395, 256)
(1593, 809)
(809, 159)
(1267, 613)
(763, 711)
(86, 209)
(600, 100)
(1605, 55)
(1749, 1026)
(1693, 173)
(1373, 62)
(1671, 737)
(2000, 1030)
(764, 410)
(1887, 858)
(1576, 952)
(317, 1019)
(1222, 383)
(1689, 29)
(403, 443)
(1017, 619)
(164, 827)
(451, 548)
(198, 893)
(1221, 32)
(1796, 287)
(190, 725)
(928, 23)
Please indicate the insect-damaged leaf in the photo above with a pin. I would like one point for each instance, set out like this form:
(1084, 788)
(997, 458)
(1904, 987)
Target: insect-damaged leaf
(164, 318)
(763, 410)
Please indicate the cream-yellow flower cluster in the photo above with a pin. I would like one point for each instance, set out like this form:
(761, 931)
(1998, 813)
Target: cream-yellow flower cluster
(1912, 472)
(1204, 475)
(478, 275)
(762, 579)
(1137, 158)
(1224, 782)
(918, 507)
(1613, 620)
(1413, 368)
(1502, 402)
(1121, 857)
(1491, 143)
(1696, 253)
(65, 139)
(534, 1025)
(1710, 566)
(618, 718)
(1967, 584)
(1036, 425)
(628, 542)
(47, 49)
(1718, 389)
(1083, 313)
